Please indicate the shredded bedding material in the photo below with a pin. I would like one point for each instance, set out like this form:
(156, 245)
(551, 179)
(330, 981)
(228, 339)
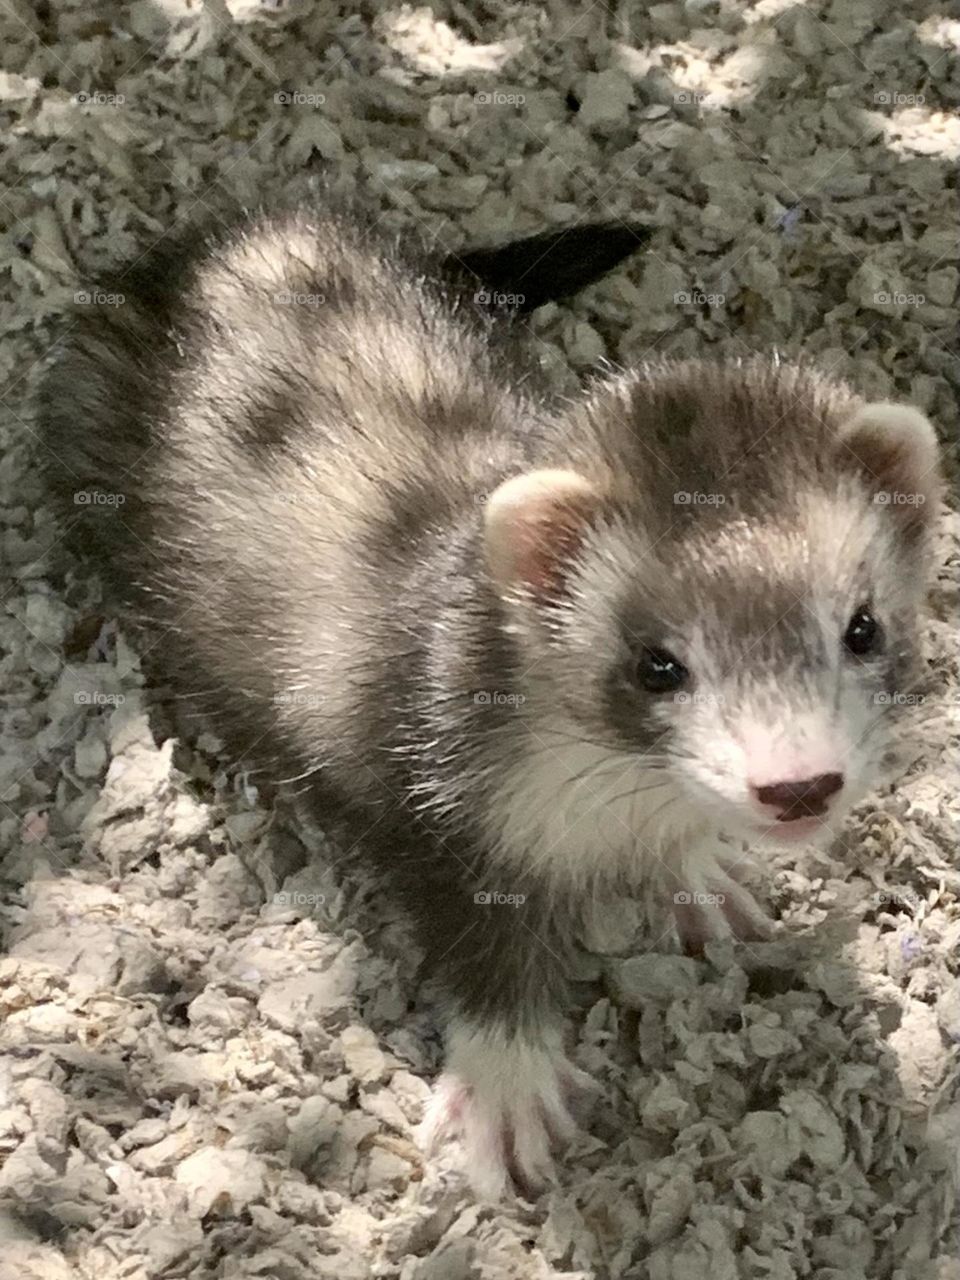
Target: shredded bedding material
(214, 1050)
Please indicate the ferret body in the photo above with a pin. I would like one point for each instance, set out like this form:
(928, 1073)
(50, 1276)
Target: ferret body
(525, 654)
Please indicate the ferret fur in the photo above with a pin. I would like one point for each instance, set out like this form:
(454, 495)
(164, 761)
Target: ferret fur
(306, 430)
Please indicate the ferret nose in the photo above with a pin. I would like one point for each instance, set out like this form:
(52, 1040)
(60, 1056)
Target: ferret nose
(806, 799)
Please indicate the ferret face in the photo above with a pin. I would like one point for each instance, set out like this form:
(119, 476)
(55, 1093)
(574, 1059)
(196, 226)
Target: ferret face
(754, 653)
(760, 664)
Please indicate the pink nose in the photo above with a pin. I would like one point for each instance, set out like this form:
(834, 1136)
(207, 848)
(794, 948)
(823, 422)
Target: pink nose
(806, 799)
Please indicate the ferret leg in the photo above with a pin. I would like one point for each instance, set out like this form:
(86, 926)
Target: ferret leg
(507, 1092)
(507, 1085)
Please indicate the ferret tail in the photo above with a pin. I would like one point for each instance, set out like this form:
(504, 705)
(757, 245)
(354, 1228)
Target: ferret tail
(524, 274)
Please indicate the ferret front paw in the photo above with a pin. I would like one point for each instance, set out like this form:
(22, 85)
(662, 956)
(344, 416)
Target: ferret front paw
(509, 1099)
(717, 904)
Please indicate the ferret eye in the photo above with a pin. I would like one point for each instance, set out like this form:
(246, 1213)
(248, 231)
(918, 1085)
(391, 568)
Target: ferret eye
(864, 634)
(660, 672)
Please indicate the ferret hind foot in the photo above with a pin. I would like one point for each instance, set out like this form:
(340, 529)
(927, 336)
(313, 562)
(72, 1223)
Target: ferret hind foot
(508, 1097)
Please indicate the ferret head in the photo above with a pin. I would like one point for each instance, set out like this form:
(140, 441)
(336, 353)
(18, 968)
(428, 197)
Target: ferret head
(722, 582)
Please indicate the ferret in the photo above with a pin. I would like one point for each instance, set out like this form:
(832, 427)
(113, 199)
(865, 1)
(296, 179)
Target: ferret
(527, 653)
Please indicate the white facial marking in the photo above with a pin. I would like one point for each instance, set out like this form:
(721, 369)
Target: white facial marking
(750, 726)
(572, 808)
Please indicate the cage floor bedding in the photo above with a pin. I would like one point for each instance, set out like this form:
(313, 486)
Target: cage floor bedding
(213, 1046)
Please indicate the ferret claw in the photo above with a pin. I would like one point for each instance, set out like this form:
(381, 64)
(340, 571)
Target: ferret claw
(508, 1098)
(720, 906)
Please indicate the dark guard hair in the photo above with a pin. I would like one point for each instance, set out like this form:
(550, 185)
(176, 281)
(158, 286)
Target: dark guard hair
(115, 359)
(276, 446)
(323, 483)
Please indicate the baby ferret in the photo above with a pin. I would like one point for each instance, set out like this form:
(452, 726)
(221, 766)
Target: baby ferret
(526, 654)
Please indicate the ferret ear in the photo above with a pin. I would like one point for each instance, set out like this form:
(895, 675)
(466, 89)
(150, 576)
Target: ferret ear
(899, 457)
(535, 524)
